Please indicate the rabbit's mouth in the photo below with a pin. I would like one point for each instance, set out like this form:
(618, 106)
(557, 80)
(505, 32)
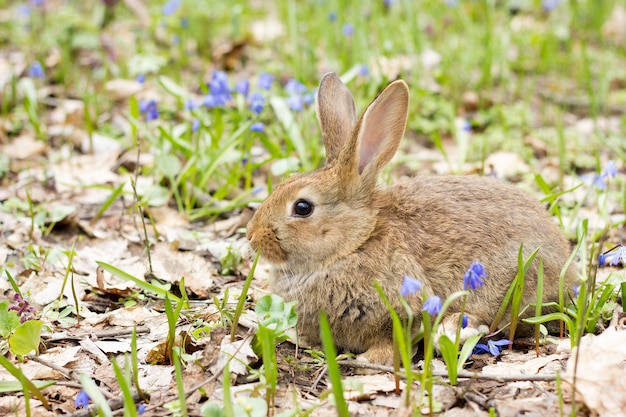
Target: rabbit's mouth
(271, 250)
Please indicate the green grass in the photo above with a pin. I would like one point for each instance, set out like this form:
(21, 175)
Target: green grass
(521, 79)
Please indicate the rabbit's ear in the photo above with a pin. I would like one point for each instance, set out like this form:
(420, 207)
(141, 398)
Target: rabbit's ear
(336, 114)
(381, 129)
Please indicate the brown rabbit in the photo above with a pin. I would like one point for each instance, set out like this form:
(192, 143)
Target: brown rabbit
(330, 233)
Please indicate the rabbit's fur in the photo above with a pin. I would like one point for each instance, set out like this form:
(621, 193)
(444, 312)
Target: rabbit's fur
(359, 231)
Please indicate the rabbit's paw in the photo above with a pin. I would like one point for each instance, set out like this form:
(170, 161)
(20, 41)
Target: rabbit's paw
(381, 354)
(449, 326)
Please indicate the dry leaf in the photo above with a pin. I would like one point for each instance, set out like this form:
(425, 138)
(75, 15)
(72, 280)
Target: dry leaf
(600, 381)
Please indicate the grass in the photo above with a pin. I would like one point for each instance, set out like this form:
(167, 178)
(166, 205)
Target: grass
(484, 78)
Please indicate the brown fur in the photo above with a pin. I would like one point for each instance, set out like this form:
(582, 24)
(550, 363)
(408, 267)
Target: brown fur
(431, 228)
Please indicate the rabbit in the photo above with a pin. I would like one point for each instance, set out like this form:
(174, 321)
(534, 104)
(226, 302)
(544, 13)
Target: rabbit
(330, 233)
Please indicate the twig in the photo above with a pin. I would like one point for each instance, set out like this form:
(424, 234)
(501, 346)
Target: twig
(102, 334)
(462, 374)
(68, 373)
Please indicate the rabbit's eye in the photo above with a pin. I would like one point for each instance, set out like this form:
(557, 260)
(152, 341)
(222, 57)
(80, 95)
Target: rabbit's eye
(302, 208)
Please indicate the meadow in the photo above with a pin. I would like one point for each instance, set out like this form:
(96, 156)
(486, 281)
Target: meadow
(138, 137)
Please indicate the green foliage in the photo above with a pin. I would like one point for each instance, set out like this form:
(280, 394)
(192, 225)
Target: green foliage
(9, 320)
(145, 286)
(21, 338)
(276, 318)
(333, 369)
(242, 297)
(26, 337)
(231, 260)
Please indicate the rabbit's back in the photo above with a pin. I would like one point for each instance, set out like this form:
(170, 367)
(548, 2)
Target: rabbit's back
(454, 220)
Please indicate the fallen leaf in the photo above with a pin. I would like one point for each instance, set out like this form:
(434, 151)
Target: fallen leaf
(239, 353)
(600, 364)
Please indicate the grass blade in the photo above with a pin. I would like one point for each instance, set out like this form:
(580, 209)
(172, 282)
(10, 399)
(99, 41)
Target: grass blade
(333, 369)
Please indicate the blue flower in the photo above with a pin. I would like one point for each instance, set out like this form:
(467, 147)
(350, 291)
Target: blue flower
(257, 102)
(348, 29)
(614, 256)
(36, 70)
(452, 3)
(493, 346)
(295, 103)
(257, 127)
(432, 306)
(24, 10)
(219, 84)
(549, 5)
(243, 87)
(141, 408)
(308, 98)
(170, 7)
(364, 71)
(141, 78)
(464, 321)
(388, 3)
(82, 399)
(190, 104)
(37, 3)
(599, 182)
(609, 171)
(474, 275)
(265, 81)
(295, 87)
(576, 289)
(149, 109)
(195, 125)
(219, 91)
(332, 17)
(409, 286)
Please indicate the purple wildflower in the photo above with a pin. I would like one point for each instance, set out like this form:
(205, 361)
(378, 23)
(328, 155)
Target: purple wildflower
(474, 275)
(294, 87)
(347, 29)
(432, 306)
(265, 81)
(22, 307)
(409, 286)
(257, 102)
(219, 91)
(82, 399)
(549, 5)
(308, 98)
(493, 346)
(295, 103)
(257, 127)
(170, 7)
(149, 109)
(195, 125)
(36, 70)
(613, 257)
(190, 104)
(243, 87)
